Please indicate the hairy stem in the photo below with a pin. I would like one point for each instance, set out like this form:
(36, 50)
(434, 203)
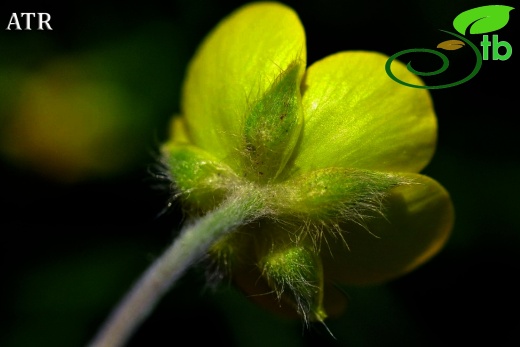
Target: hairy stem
(191, 244)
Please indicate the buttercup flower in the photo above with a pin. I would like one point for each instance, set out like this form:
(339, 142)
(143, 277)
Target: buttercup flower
(330, 155)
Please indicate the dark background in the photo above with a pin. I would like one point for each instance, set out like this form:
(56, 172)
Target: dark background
(80, 212)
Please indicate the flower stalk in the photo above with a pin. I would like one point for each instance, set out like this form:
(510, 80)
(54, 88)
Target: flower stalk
(189, 247)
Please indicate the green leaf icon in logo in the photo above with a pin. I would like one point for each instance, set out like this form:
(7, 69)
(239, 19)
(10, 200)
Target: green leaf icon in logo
(482, 19)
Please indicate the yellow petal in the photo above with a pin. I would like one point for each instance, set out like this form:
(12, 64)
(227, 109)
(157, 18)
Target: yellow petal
(178, 133)
(234, 67)
(357, 116)
(419, 219)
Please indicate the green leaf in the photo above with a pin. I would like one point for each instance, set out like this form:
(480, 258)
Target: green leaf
(482, 19)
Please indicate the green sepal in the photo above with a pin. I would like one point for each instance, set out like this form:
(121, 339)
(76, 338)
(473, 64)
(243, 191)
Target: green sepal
(273, 125)
(295, 273)
(199, 178)
(335, 192)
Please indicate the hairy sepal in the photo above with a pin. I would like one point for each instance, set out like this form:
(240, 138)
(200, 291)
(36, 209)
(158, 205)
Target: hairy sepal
(295, 273)
(272, 126)
(343, 193)
(198, 177)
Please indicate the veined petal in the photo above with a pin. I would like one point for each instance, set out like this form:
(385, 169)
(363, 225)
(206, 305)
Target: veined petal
(232, 70)
(356, 116)
(418, 220)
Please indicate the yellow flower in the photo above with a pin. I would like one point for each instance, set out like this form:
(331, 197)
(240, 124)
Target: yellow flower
(332, 151)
